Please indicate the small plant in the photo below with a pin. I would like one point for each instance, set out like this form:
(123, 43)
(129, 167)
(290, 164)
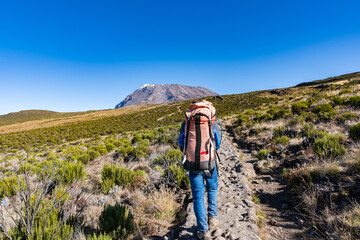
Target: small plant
(354, 101)
(329, 146)
(116, 221)
(262, 154)
(325, 110)
(283, 140)
(299, 107)
(354, 132)
(112, 175)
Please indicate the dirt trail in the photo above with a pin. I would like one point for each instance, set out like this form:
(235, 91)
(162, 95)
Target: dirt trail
(236, 211)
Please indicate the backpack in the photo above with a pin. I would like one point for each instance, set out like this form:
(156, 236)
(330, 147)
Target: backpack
(199, 153)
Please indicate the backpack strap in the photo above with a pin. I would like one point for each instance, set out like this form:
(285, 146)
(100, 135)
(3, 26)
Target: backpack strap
(198, 141)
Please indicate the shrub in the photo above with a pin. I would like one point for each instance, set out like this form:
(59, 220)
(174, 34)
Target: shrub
(354, 101)
(116, 221)
(136, 138)
(241, 119)
(344, 91)
(283, 140)
(354, 132)
(93, 154)
(109, 146)
(299, 107)
(310, 132)
(354, 164)
(180, 176)
(100, 149)
(336, 100)
(100, 237)
(8, 186)
(255, 131)
(329, 146)
(278, 132)
(261, 155)
(141, 149)
(325, 110)
(112, 175)
(350, 115)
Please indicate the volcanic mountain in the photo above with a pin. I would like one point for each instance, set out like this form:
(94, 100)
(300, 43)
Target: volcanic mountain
(164, 93)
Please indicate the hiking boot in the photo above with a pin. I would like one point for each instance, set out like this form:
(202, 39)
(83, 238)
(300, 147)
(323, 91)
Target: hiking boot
(213, 222)
(203, 235)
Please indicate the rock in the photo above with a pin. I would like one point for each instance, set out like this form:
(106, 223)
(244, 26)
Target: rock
(267, 178)
(4, 202)
(217, 232)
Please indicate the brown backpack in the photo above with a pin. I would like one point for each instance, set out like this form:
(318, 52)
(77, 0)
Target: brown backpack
(199, 152)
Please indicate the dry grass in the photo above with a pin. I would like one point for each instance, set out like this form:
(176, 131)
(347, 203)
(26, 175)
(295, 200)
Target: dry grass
(154, 210)
(57, 121)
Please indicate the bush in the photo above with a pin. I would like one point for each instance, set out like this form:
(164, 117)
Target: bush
(310, 132)
(336, 100)
(116, 221)
(299, 107)
(354, 101)
(93, 154)
(100, 149)
(329, 146)
(9, 186)
(278, 132)
(354, 132)
(136, 138)
(261, 155)
(180, 176)
(241, 120)
(112, 175)
(283, 140)
(325, 110)
(109, 146)
(100, 237)
(344, 91)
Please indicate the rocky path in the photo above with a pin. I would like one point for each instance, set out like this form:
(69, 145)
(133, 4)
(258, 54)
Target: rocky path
(236, 210)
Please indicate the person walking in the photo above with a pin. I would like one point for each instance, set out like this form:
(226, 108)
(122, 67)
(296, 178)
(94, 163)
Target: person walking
(199, 140)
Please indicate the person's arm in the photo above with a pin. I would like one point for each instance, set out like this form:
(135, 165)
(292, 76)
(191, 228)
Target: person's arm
(216, 130)
(181, 139)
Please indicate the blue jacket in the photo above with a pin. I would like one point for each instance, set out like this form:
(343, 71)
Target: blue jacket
(214, 127)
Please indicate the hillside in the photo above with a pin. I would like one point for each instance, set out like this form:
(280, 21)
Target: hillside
(293, 153)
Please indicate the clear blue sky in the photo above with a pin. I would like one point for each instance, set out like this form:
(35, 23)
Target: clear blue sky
(83, 55)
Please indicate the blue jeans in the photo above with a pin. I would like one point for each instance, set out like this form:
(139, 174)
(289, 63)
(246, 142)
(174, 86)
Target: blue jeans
(197, 179)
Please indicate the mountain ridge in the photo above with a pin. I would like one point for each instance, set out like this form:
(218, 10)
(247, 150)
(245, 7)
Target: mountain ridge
(164, 93)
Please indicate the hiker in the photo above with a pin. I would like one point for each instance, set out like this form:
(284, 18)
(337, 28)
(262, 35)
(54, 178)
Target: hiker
(199, 140)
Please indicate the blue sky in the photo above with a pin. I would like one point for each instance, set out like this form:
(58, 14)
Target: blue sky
(85, 55)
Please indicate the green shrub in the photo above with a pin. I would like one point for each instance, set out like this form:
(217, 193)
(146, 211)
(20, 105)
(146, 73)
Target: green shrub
(241, 119)
(278, 113)
(116, 221)
(336, 100)
(9, 186)
(350, 115)
(109, 146)
(325, 110)
(93, 154)
(283, 140)
(354, 132)
(49, 227)
(112, 175)
(180, 176)
(261, 155)
(329, 146)
(344, 91)
(141, 149)
(354, 101)
(278, 132)
(100, 237)
(136, 138)
(62, 170)
(255, 131)
(100, 149)
(299, 107)
(310, 132)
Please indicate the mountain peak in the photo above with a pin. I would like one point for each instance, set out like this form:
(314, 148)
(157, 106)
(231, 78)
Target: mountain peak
(163, 93)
